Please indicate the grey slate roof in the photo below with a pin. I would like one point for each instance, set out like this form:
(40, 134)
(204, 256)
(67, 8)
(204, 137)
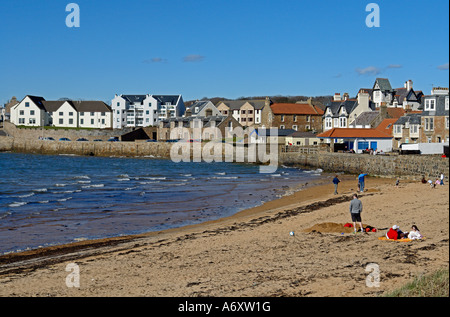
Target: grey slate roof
(414, 118)
(383, 83)
(367, 117)
(38, 101)
(134, 98)
(440, 106)
(335, 106)
(163, 99)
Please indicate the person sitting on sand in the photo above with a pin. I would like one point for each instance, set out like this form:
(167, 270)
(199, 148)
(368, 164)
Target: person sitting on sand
(395, 233)
(414, 233)
(424, 181)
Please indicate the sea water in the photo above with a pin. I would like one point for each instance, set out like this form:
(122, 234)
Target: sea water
(48, 200)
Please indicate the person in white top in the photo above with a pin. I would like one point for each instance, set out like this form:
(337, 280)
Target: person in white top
(414, 233)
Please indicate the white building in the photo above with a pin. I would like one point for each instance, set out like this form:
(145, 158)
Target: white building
(36, 111)
(145, 110)
(30, 112)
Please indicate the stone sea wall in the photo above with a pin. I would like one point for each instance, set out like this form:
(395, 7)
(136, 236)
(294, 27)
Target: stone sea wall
(405, 166)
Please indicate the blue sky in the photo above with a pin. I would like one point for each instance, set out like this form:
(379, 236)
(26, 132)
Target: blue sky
(227, 48)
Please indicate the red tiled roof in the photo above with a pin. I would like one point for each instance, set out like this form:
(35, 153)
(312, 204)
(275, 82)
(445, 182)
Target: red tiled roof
(386, 125)
(296, 108)
(342, 133)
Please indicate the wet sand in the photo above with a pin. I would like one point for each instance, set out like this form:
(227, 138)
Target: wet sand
(252, 254)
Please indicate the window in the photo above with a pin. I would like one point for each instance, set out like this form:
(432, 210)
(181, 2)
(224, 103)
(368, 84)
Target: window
(70, 114)
(92, 114)
(282, 118)
(295, 118)
(104, 114)
(27, 104)
(250, 112)
(61, 121)
(446, 123)
(61, 113)
(294, 127)
(82, 121)
(429, 124)
(282, 127)
(21, 120)
(336, 122)
(430, 104)
(70, 121)
(363, 145)
(92, 121)
(82, 113)
(22, 112)
(308, 118)
(243, 111)
(342, 122)
(118, 104)
(414, 129)
(398, 129)
(31, 112)
(446, 103)
(327, 123)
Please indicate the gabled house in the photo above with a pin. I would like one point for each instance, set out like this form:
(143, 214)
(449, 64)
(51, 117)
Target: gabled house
(246, 112)
(382, 92)
(303, 116)
(30, 112)
(342, 113)
(404, 97)
(202, 108)
(36, 111)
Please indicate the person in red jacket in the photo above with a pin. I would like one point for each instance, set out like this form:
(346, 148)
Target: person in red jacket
(394, 233)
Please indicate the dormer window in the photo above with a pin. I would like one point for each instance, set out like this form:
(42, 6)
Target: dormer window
(430, 104)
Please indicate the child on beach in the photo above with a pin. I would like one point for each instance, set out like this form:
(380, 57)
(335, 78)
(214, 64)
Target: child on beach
(414, 233)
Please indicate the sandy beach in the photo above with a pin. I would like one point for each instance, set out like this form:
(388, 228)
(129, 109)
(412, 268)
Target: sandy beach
(252, 253)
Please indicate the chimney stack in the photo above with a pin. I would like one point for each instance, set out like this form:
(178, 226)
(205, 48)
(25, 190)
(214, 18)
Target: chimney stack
(337, 97)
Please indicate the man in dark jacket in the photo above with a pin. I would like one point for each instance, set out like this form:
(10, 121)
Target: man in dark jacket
(336, 181)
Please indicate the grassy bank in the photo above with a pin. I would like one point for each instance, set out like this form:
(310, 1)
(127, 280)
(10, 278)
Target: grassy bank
(431, 285)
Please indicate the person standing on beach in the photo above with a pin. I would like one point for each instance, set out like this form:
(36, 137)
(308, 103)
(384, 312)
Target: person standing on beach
(336, 181)
(442, 179)
(355, 211)
(361, 182)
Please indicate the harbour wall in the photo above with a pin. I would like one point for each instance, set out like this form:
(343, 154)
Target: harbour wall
(412, 167)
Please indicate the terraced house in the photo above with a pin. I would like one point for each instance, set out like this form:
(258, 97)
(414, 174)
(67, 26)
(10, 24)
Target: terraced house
(35, 111)
(246, 112)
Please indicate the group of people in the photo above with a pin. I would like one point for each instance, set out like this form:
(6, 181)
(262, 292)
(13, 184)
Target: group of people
(361, 183)
(438, 181)
(395, 233)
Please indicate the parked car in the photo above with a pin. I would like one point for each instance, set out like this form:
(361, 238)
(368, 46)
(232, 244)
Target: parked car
(114, 139)
(82, 140)
(64, 139)
(98, 140)
(152, 141)
(171, 141)
(48, 139)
